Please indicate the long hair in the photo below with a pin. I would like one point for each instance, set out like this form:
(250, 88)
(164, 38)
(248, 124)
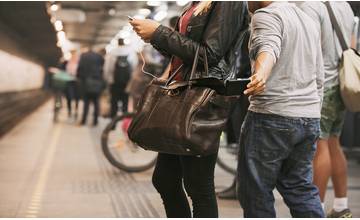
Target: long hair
(202, 7)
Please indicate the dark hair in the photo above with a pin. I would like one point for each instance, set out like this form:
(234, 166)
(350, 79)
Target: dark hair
(120, 42)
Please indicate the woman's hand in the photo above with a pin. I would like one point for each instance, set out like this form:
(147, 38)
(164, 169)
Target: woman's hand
(145, 28)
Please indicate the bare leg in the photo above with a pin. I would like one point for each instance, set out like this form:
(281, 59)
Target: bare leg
(339, 167)
(322, 167)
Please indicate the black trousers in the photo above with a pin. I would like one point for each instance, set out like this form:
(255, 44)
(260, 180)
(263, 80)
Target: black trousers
(196, 174)
(94, 98)
(118, 94)
(72, 94)
(237, 115)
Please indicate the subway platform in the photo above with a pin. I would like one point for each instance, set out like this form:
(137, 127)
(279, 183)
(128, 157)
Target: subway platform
(58, 170)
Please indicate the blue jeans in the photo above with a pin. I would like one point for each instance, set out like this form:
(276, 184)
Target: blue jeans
(277, 151)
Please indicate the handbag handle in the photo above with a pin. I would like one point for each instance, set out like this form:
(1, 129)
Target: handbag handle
(195, 63)
(336, 26)
(193, 68)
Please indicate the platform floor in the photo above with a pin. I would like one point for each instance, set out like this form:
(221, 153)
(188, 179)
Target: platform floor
(58, 170)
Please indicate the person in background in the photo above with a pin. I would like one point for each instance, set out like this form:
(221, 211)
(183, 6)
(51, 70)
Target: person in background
(213, 27)
(90, 75)
(72, 88)
(329, 159)
(279, 134)
(118, 67)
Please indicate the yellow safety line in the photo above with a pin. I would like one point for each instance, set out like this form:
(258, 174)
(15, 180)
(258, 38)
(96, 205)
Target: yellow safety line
(35, 203)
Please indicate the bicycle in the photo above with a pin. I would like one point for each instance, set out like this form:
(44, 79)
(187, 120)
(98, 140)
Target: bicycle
(120, 151)
(127, 156)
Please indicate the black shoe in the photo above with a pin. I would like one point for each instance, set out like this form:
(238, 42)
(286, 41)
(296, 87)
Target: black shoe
(228, 193)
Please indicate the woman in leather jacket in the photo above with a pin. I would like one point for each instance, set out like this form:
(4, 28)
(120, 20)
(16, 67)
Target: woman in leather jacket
(215, 26)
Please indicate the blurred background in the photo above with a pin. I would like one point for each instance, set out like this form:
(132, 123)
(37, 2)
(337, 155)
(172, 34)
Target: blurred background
(53, 167)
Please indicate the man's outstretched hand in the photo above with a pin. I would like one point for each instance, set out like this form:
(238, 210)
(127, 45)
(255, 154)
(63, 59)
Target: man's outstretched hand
(261, 72)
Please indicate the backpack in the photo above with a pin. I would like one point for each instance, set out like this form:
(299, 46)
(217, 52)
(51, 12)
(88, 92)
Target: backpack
(122, 71)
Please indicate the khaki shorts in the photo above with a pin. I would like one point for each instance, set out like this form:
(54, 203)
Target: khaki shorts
(332, 113)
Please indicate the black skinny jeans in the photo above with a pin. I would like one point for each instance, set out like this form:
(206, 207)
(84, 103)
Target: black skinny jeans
(118, 94)
(196, 174)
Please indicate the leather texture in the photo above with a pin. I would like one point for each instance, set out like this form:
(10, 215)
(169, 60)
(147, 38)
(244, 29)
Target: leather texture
(216, 31)
(176, 118)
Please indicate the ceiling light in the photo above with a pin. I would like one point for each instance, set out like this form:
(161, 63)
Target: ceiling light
(112, 12)
(61, 36)
(160, 15)
(144, 11)
(181, 2)
(58, 25)
(153, 3)
(54, 7)
(53, 19)
(67, 56)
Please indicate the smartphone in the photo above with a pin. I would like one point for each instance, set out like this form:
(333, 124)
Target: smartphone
(130, 18)
(231, 87)
(236, 87)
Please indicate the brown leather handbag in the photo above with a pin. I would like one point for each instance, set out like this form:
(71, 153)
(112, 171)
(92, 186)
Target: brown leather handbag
(178, 118)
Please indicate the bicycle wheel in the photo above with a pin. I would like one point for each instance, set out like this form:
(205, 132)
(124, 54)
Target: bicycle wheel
(227, 156)
(120, 151)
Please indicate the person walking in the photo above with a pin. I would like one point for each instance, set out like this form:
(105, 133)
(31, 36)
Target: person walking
(89, 73)
(72, 90)
(118, 67)
(213, 26)
(329, 159)
(278, 136)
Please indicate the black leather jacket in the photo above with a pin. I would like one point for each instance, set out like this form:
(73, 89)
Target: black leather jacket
(216, 30)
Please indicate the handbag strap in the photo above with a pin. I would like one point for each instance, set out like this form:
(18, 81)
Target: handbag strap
(336, 26)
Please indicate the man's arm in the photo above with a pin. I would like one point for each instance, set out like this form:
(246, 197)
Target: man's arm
(261, 71)
(264, 49)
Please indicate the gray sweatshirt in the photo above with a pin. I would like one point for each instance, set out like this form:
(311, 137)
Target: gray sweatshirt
(295, 85)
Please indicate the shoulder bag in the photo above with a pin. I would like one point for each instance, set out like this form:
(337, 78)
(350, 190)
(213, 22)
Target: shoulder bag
(349, 69)
(178, 118)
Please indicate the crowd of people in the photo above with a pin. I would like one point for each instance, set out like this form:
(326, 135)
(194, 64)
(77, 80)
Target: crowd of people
(291, 113)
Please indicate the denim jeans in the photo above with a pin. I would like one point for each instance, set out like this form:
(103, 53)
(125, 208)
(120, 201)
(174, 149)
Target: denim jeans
(277, 152)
